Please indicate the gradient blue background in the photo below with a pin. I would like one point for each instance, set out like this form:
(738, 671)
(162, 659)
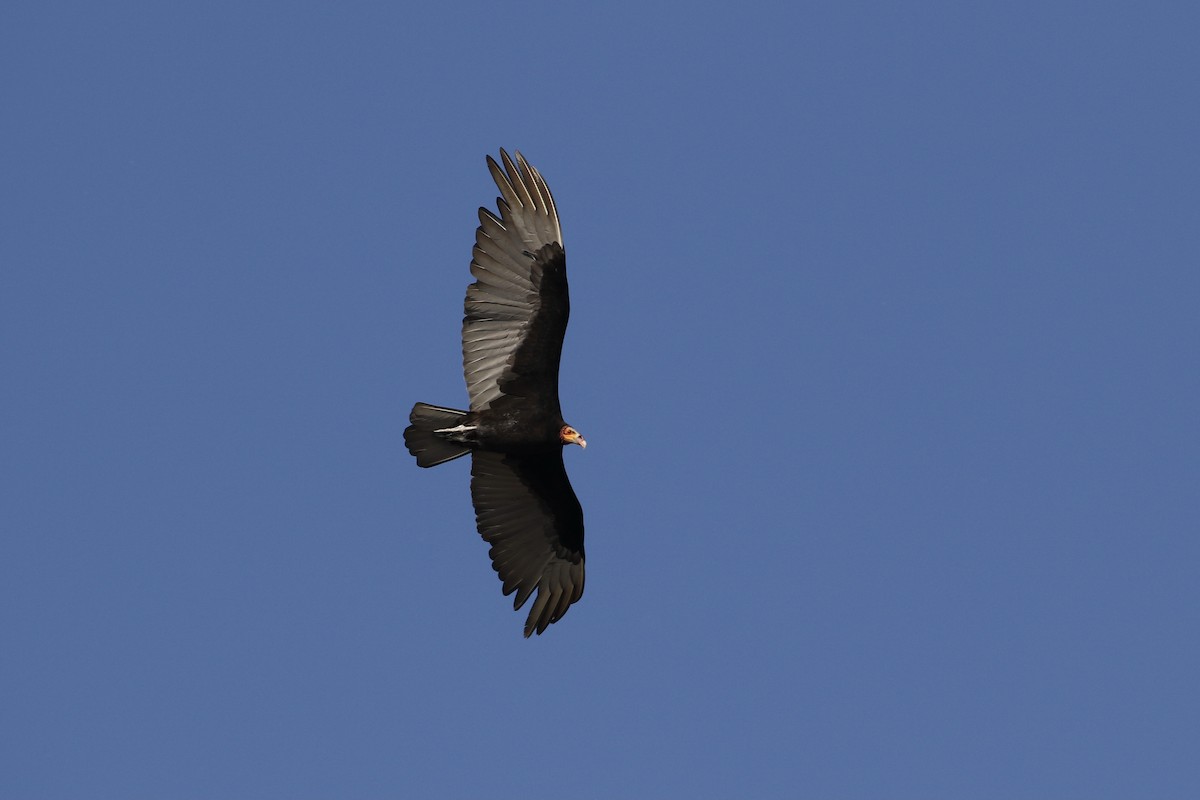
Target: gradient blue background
(884, 338)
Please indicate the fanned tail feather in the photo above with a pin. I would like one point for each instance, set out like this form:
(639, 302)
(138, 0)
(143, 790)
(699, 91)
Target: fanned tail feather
(429, 448)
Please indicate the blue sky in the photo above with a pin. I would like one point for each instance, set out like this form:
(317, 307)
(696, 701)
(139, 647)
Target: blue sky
(884, 339)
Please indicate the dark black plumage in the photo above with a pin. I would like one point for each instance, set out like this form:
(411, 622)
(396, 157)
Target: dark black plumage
(516, 317)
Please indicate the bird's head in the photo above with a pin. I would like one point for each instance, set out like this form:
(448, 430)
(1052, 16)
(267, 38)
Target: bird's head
(569, 435)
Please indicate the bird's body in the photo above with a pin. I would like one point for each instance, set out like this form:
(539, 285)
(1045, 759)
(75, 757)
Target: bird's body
(516, 316)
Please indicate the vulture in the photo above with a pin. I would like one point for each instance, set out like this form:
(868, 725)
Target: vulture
(512, 336)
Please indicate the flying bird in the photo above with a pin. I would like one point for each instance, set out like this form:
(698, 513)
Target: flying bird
(512, 336)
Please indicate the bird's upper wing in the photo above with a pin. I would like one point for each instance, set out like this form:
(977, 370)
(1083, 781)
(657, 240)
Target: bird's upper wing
(517, 309)
(526, 510)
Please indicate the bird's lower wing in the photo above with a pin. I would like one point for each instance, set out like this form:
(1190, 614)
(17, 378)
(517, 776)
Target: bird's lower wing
(527, 511)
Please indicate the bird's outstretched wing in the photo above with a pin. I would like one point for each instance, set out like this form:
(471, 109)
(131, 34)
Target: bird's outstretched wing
(526, 510)
(517, 309)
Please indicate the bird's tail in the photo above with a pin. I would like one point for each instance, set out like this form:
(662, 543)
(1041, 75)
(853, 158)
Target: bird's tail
(423, 440)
